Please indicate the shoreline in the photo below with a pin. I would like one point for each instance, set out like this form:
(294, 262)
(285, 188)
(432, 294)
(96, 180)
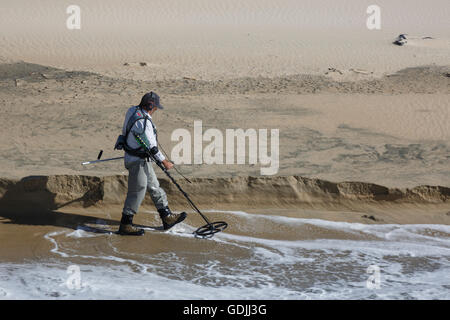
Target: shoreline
(37, 208)
(34, 210)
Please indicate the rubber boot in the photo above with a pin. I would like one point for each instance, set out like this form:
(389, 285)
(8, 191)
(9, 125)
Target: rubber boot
(126, 227)
(169, 218)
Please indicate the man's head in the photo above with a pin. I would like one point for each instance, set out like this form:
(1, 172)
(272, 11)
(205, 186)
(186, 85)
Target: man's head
(150, 102)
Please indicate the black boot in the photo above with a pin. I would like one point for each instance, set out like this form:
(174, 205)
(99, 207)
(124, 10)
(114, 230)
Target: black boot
(170, 219)
(126, 227)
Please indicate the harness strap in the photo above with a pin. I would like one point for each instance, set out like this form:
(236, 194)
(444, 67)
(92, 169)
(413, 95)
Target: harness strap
(141, 151)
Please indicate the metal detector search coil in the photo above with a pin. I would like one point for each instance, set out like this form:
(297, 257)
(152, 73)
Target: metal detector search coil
(208, 230)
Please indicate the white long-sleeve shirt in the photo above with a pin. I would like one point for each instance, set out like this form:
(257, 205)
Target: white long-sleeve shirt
(138, 127)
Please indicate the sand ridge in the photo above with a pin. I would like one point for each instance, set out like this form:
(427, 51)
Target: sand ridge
(52, 192)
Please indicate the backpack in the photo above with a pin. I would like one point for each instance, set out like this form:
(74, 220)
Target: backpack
(144, 149)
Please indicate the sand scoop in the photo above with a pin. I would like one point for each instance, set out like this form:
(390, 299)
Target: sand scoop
(206, 231)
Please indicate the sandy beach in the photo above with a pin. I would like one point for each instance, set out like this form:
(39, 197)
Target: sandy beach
(212, 40)
(364, 152)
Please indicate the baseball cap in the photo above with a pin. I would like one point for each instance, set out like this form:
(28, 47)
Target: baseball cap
(150, 97)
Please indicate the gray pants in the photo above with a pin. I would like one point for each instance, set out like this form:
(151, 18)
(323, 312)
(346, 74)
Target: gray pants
(141, 178)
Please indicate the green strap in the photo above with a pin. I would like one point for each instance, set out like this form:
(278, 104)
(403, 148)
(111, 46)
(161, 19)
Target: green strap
(142, 141)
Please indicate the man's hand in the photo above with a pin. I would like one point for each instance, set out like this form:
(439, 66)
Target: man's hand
(167, 164)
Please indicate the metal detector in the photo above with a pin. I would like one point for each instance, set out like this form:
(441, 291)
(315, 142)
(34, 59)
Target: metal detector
(206, 231)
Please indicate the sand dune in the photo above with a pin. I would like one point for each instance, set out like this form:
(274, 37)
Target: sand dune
(213, 40)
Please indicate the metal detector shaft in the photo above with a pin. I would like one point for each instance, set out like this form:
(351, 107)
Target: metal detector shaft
(110, 159)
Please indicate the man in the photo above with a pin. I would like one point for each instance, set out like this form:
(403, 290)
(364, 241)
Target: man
(139, 140)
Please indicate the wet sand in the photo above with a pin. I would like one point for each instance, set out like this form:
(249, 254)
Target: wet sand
(260, 256)
(31, 209)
